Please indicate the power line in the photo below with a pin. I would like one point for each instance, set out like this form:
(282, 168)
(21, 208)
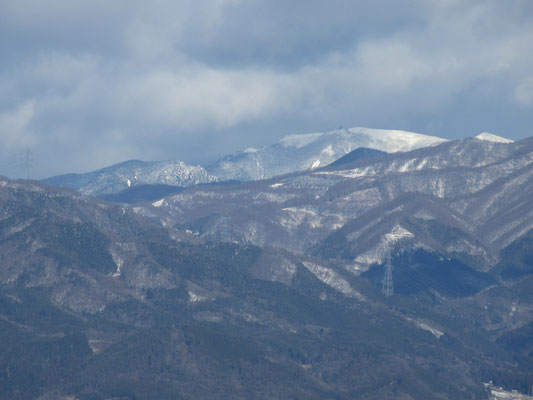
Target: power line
(411, 277)
(411, 281)
(17, 165)
(424, 282)
(27, 163)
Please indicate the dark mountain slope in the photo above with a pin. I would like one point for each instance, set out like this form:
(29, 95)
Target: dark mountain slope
(140, 193)
(356, 155)
(97, 301)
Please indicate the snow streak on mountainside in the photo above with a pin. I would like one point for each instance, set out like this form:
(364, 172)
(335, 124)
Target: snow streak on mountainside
(301, 152)
(292, 154)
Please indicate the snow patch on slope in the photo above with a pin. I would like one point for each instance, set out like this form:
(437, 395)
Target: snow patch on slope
(330, 278)
(195, 297)
(397, 233)
(377, 253)
(315, 164)
(158, 203)
(425, 326)
(119, 262)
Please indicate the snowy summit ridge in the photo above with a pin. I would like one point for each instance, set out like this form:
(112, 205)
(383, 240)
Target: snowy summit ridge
(293, 153)
(300, 152)
(390, 141)
(489, 137)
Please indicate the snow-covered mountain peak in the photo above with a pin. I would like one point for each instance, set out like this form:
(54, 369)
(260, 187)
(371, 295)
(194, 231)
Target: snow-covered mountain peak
(300, 152)
(387, 140)
(489, 137)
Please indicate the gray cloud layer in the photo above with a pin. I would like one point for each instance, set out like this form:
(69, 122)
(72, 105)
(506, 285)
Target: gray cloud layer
(89, 83)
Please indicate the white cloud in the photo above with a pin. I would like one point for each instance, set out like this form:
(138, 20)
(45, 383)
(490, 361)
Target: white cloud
(137, 79)
(14, 127)
(524, 92)
(199, 97)
(60, 69)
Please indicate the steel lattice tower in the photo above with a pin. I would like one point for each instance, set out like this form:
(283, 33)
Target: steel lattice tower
(27, 163)
(388, 287)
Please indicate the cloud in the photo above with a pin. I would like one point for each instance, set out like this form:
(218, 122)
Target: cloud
(14, 127)
(101, 82)
(524, 92)
(200, 97)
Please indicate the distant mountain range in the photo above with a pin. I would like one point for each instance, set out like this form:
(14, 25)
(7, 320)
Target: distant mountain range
(293, 153)
(123, 176)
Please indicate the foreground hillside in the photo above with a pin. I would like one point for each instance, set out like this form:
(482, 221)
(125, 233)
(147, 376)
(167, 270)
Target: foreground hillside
(100, 300)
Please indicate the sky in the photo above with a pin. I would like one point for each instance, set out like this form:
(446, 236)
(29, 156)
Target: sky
(87, 84)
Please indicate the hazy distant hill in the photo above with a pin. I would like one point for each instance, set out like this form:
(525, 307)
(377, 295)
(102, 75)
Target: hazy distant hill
(123, 176)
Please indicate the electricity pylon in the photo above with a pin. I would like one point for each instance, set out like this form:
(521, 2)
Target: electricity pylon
(27, 163)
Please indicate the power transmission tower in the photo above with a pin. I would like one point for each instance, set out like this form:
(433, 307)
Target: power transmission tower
(27, 163)
(388, 287)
